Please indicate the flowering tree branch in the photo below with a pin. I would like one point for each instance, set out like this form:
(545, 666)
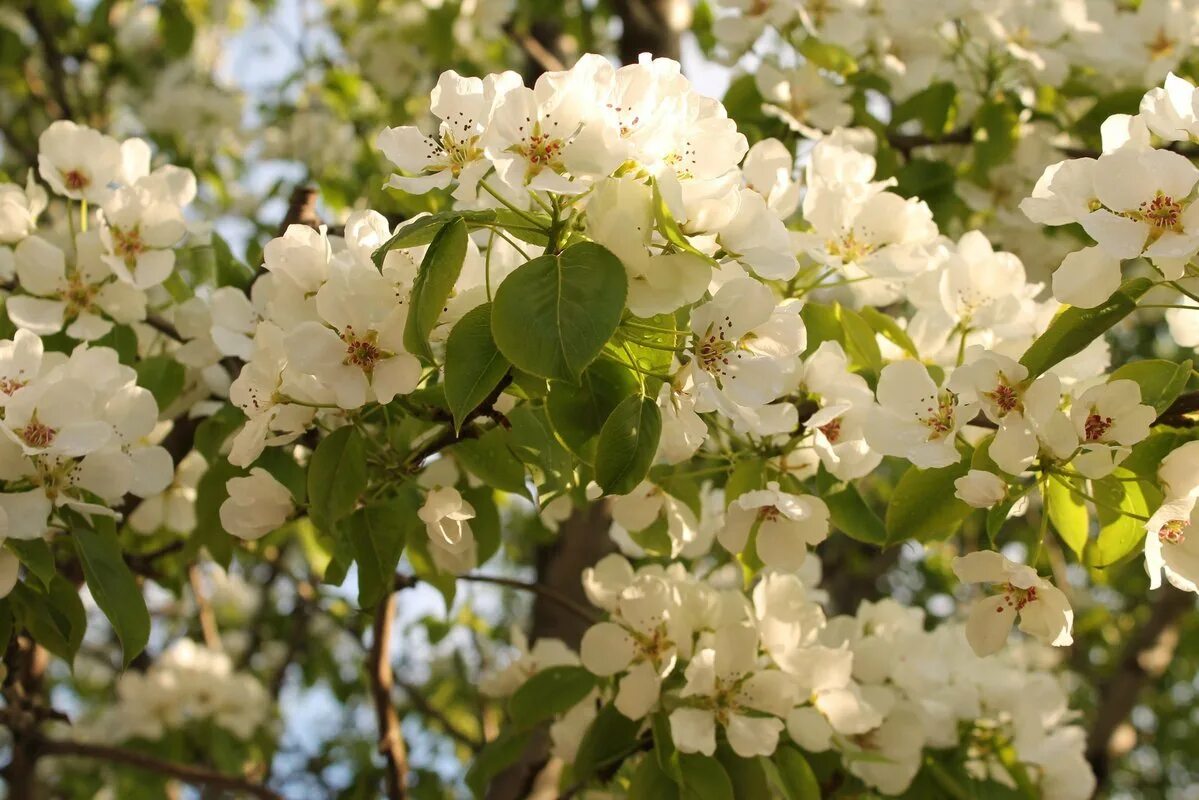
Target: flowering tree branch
(391, 740)
(187, 773)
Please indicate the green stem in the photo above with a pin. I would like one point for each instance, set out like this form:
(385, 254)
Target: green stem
(1098, 503)
(1184, 290)
(509, 205)
(946, 781)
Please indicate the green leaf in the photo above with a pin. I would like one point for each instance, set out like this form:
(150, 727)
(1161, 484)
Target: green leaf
(746, 476)
(794, 775)
(827, 55)
(1068, 512)
(746, 774)
(649, 782)
(1161, 381)
(821, 324)
(532, 440)
(1147, 454)
(209, 533)
(434, 283)
(113, 586)
(490, 459)
(923, 506)
(851, 515)
(1119, 534)
(493, 759)
(424, 229)
(163, 376)
(704, 778)
(578, 412)
(37, 557)
(610, 737)
(486, 522)
(1075, 328)
(548, 693)
(860, 344)
(474, 366)
(336, 476)
(932, 106)
(889, 329)
(56, 619)
(669, 226)
(552, 316)
(627, 445)
(377, 535)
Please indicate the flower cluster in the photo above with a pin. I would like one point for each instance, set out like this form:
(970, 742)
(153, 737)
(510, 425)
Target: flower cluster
(876, 688)
(187, 685)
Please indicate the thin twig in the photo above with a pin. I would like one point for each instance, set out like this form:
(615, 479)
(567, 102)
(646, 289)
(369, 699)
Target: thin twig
(212, 636)
(187, 773)
(391, 741)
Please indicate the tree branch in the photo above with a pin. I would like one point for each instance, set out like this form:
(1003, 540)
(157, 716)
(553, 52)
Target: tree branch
(1145, 657)
(54, 57)
(187, 773)
(391, 741)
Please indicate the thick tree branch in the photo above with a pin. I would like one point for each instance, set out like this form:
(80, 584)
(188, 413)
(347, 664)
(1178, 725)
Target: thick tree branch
(187, 773)
(391, 741)
(1145, 658)
(53, 56)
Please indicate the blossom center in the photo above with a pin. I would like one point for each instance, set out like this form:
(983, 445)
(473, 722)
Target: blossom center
(1017, 598)
(1173, 532)
(361, 351)
(78, 295)
(128, 244)
(939, 414)
(714, 349)
(849, 248)
(1096, 427)
(1162, 212)
(768, 513)
(1005, 397)
(831, 431)
(76, 180)
(37, 434)
(10, 385)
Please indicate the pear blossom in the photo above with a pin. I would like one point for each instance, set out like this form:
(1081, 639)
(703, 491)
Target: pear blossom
(1109, 419)
(454, 154)
(980, 489)
(1042, 608)
(19, 209)
(447, 519)
(846, 404)
(1179, 471)
(785, 525)
(79, 162)
(915, 418)
(722, 685)
(1172, 544)
(257, 504)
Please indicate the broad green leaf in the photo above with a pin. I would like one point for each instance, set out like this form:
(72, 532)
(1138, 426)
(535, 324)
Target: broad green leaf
(860, 344)
(1147, 454)
(56, 619)
(746, 476)
(649, 782)
(493, 759)
(578, 411)
(163, 376)
(1075, 328)
(827, 55)
(746, 774)
(889, 329)
(548, 693)
(486, 523)
(610, 737)
(820, 322)
(336, 476)
(377, 535)
(1068, 512)
(1119, 534)
(627, 445)
(997, 514)
(923, 506)
(933, 107)
(474, 366)
(851, 515)
(112, 585)
(434, 283)
(532, 440)
(209, 533)
(704, 778)
(1161, 381)
(552, 316)
(37, 557)
(424, 229)
(793, 774)
(490, 459)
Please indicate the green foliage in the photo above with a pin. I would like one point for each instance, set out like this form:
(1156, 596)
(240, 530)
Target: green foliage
(474, 366)
(627, 444)
(551, 691)
(552, 316)
(336, 477)
(923, 506)
(578, 411)
(112, 584)
(434, 284)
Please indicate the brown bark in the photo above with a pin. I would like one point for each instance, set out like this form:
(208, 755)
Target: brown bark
(651, 26)
(1145, 658)
(391, 740)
